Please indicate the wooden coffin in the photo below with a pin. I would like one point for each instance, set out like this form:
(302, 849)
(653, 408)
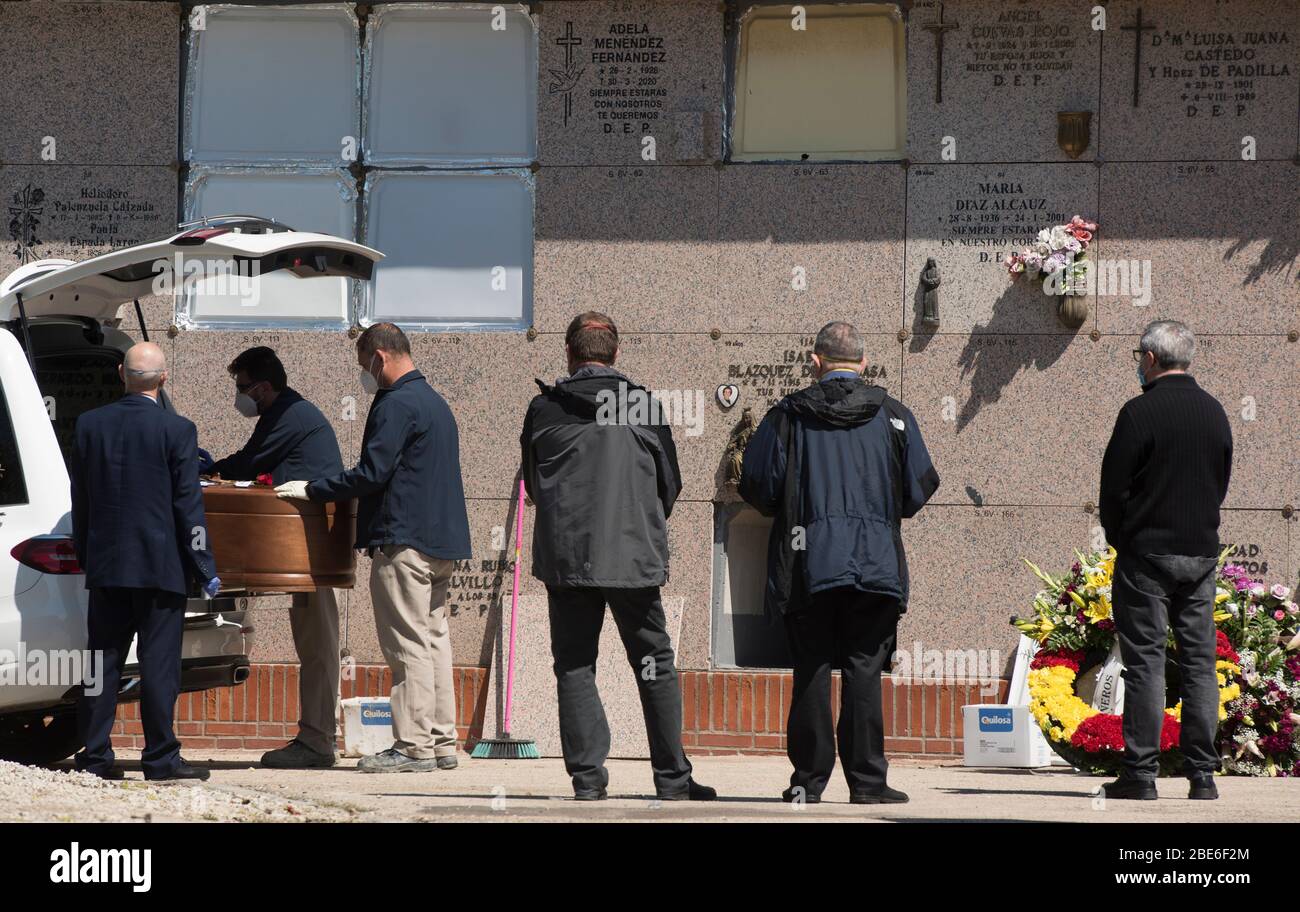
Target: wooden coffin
(264, 544)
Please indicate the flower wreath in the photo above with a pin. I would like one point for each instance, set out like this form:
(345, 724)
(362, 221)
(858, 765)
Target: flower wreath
(1075, 631)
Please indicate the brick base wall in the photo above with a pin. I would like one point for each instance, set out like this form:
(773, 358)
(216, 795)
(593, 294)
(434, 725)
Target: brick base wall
(724, 712)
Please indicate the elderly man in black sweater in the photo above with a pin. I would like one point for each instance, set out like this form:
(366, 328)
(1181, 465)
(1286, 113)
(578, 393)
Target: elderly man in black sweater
(1163, 478)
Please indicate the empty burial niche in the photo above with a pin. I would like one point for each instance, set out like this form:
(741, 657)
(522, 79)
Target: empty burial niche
(824, 84)
(743, 637)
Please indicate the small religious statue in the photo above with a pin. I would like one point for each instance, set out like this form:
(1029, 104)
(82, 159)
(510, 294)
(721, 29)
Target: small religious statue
(930, 295)
(735, 452)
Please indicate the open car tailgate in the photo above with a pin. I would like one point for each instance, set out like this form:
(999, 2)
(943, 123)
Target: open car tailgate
(98, 287)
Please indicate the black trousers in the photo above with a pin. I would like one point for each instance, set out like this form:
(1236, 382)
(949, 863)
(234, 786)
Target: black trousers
(577, 615)
(1153, 593)
(857, 632)
(158, 618)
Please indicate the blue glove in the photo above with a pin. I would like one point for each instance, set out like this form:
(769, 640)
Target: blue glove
(212, 587)
(206, 462)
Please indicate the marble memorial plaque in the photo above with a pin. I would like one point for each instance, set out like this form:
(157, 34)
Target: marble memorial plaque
(802, 244)
(1218, 238)
(75, 213)
(487, 380)
(1258, 382)
(635, 242)
(1187, 80)
(614, 73)
(763, 368)
(479, 587)
(968, 576)
(968, 217)
(89, 83)
(1261, 544)
(1017, 419)
(1007, 70)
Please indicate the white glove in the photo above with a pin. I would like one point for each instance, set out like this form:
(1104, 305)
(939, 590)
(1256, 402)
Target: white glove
(292, 490)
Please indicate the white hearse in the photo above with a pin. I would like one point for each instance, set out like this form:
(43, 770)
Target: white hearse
(59, 354)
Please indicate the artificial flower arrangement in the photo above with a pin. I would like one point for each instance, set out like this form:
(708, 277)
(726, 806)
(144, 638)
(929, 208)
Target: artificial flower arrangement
(1057, 255)
(1258, 666)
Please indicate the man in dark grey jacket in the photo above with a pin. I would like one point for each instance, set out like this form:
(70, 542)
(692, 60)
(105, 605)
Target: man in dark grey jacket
(601, 467)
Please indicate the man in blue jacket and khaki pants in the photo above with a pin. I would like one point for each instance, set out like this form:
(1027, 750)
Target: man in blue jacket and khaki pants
(838, 466)
(411, 520)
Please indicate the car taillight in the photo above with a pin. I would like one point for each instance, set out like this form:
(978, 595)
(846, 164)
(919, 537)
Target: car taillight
(48, 554)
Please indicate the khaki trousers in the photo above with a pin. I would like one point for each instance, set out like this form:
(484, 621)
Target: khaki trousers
(409, 593)
(314, 620)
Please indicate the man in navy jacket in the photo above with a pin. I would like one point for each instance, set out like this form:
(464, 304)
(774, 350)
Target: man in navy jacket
(411, 519)
(292, 439)
(141, 536)
(838, 466)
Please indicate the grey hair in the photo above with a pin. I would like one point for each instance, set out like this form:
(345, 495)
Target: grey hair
(1171, 342)
(839, 342)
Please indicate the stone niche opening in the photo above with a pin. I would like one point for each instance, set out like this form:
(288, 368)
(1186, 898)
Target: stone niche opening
(742, 635)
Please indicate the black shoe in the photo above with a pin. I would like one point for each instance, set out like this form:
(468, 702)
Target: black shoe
(693, 792)
(590, 794)
(885, 796)
(1202, 787)
(182, 772)
(1135, 789)
(802, 797)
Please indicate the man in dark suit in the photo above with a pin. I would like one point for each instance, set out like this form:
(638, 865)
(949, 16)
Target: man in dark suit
(292, 439)
(140, 535)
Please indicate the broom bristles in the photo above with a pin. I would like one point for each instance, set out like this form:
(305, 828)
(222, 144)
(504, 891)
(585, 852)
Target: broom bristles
(506, 749)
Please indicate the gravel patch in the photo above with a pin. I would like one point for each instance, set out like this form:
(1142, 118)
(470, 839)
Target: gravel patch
(35, 794)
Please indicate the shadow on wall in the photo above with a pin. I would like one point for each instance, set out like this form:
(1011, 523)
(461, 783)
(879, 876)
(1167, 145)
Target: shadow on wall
(1278, 257)
(992, 366)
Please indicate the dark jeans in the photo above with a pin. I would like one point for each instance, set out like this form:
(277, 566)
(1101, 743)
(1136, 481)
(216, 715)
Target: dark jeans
(855, 631)
(158, 618)
(1150, 594)
(576, 618)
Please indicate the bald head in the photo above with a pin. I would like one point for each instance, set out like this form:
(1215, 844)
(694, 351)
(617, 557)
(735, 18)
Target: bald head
(144, 370)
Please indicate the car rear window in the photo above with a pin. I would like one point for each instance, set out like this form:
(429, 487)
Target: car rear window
(13, 487)
(75, 371)
(76, 381)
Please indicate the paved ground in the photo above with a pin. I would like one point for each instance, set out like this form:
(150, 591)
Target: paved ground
(538, 790)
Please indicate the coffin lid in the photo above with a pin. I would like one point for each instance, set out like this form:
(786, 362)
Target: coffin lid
(99, 286)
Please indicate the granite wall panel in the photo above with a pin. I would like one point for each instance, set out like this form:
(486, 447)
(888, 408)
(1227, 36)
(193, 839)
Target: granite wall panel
(1007, 70)
(1016, 408)
(1214, 244)
(1190, 80)
(89, 83)
(616, 72)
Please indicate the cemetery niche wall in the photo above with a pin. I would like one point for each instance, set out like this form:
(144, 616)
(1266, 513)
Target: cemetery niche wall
(595, 155)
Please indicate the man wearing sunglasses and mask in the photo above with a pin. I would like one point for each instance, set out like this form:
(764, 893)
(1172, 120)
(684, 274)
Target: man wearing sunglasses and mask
(292, 439)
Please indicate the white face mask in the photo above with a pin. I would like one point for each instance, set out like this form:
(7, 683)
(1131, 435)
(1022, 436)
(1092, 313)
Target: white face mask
(245, 405)
(368, 381)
